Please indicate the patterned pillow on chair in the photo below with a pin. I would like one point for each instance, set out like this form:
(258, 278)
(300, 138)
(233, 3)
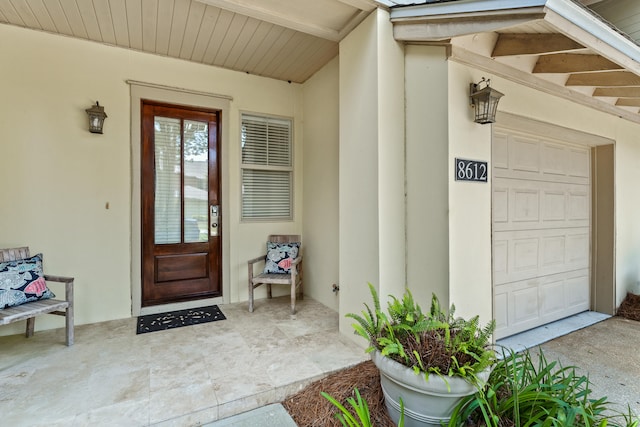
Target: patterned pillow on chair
(279, 257)
(22, 281)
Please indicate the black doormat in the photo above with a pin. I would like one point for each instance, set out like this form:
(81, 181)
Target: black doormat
(177, 319)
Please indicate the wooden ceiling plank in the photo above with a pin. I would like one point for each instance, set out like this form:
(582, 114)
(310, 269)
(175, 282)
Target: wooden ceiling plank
(90, 20)
(73, 17)
(273, 51)
(628, 102)
(305, 45)
(105, 22)
(119, 22)
(134, 23)
(20, 13)
(606, 79)
(60, 21)
(42, 15)
(283, 54)
(306, 63)
(221, 28)
(149, 25)
(618, 92)
(229, 40)
(204, 35)
(246, 35)
(164, 26)
(573, 63)
(509, 44)
(274, 33)
(194, 26)
(251, 49)
(178, 27)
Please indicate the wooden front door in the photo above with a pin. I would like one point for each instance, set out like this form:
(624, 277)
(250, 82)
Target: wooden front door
(181, 221)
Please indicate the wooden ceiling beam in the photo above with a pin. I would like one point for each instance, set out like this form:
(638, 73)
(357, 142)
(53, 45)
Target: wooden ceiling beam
(276, 16)
(618, 92)
(509, 44)
(628, 102)
(573, 63)
(606, 78)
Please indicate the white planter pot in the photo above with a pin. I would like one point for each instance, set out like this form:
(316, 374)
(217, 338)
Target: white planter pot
(426, 403)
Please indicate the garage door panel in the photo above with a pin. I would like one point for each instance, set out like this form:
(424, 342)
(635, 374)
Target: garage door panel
(578, 248)
(521, 204)
(525, 303)
(500, 257)
(534, 302)
(528, 254)
(526, 205)
(553, 159)
(553, 251)
(541, 230)
(500, 205)
(552, 300)
(578, 292)
(525, 255)
(578, 163)
(579, 208)
(501, 310)
(554, 206)
(524, 154)
(500, 153)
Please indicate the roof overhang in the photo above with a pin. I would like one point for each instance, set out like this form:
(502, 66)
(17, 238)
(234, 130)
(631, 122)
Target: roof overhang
(536, 43)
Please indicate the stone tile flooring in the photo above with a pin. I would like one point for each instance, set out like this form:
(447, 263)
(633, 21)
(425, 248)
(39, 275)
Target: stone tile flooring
(179, 377)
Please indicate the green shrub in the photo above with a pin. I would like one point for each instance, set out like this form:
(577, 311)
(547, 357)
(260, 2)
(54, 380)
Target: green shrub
(522, 393)
(435, 342)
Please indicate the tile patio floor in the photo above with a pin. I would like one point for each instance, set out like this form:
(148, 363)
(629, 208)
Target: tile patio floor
(179, 377)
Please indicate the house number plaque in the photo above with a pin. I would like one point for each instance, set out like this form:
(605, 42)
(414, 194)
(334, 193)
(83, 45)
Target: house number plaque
(471, 170)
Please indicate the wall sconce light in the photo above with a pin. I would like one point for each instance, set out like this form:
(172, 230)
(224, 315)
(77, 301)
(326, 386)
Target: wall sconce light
(96, 118)
(485, 101)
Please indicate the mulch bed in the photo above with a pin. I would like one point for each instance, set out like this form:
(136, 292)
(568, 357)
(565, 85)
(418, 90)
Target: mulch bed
(309, 409)
(630, 307)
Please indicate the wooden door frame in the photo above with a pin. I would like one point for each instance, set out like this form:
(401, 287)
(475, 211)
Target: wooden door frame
(176, 96)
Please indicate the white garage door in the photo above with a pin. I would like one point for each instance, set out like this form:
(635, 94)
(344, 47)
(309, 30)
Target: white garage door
(541, 239)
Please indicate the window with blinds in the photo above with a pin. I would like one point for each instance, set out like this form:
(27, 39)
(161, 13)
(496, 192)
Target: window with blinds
(267, 167)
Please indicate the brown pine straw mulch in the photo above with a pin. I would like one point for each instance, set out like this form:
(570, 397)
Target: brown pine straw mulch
(309, 409)
(630, 307)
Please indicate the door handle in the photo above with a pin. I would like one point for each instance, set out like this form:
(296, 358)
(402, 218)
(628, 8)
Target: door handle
(214, 220)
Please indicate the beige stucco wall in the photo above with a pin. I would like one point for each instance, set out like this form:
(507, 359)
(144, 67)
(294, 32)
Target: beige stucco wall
(427, 173)
(321, 187)
(371, 240)
(58, 177)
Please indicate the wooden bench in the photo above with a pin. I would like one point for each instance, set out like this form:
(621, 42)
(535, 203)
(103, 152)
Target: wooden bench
(32, 309)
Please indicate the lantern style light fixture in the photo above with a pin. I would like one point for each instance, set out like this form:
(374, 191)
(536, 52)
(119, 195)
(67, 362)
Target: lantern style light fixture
(96, 118)
(484, 101)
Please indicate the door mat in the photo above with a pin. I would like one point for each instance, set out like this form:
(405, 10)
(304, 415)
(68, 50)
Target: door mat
(178, 318)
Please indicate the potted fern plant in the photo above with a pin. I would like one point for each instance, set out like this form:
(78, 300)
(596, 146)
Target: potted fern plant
(429, 360)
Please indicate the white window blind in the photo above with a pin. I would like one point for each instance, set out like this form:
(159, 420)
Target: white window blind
(168, 171)
(266, 167)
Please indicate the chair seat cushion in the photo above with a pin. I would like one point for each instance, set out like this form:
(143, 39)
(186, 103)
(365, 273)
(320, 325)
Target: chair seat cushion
(22, 281)
(280, 256)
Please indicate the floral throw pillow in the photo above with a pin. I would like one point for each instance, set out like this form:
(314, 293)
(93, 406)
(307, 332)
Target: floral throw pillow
(22, 281)
(280, 256)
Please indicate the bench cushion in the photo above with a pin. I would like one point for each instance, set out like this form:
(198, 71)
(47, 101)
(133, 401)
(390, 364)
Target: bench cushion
(22, 281)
